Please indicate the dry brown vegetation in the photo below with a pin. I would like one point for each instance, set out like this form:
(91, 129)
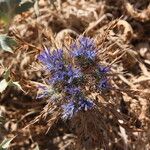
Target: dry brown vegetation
(121, 29)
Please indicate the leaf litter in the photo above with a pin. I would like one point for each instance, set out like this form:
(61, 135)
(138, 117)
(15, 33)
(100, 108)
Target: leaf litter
(121, 32)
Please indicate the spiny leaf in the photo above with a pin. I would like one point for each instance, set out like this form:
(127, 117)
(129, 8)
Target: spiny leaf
(4, 17)
(5, 144)
(6, 43)
(16, 84)
(1, 120)
(3, 85)
(37, 147)
(24, 7)
(36, 7)
(9, 8)
(2, 70)
(6, 74)
(7, 1)
(25, 1)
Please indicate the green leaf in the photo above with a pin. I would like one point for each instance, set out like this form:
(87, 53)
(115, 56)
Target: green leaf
(9, 8)
(37, 147)
(36, 7)
(6, 74)
(5, 144)
(1, 120)
(3, 85)
(25, 1)
(5, 11)
(4, 17)
(24, 7)
(6, 43)
(16, 84)
(7, 1)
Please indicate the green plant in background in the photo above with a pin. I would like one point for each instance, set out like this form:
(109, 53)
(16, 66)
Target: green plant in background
(10, 8)
(1, 120)
(5, 144)
(7, 81)
(7, 43)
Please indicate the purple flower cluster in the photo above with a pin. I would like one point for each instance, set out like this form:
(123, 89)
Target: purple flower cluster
(84, 51)
(68, 75)
(52, 61)
(71, 108)
(69, 79)
(103, 82)
(43, 91)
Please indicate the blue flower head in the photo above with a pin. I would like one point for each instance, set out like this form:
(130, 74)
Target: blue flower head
(103, 70)
(52, 61)
(58, 77)
(103, 84)
(85, 105)
(68, 75)
(44, 92)
(85, 49)
(73, 74)
(68, 110)
(66, 79)
(73, 91)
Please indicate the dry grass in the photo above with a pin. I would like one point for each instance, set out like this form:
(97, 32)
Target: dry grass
(121, 32)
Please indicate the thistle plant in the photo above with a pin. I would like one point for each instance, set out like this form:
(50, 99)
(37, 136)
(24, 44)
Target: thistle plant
(73, 77)
(71, 80)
